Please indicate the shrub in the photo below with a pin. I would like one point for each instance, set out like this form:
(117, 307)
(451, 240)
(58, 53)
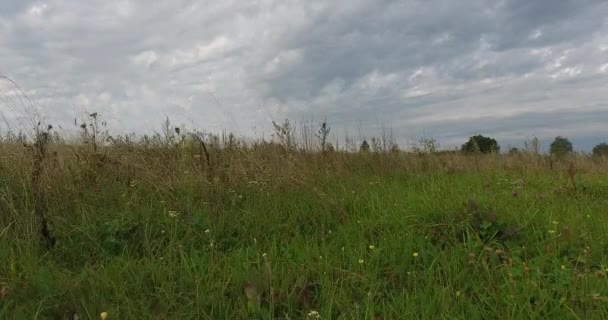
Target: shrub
(481, 144)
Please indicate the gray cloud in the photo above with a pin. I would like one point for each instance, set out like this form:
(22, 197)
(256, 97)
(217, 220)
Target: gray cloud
(443, 68)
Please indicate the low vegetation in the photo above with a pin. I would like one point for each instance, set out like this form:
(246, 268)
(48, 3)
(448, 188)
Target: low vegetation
(185, 225)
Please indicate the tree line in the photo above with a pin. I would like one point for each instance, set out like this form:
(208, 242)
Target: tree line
(560, 146)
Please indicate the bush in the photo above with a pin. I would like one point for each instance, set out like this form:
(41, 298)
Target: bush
(481, 144)
(560, 147)
(601, 150)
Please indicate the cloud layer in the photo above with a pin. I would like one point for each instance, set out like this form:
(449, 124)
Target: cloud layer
(442, 68)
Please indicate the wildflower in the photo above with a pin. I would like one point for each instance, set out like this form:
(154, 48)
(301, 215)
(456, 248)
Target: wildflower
(207, 231)
(320, 257)
(551, 231)
(372, 247)
(314, 315)
(361, 261)
(172, 213)
(163, 232)
(342, 249)
(415, 254)
(563, 267)
(555, 222)
(458, 293)
(471, 258)
(103, 315)
(265, 255)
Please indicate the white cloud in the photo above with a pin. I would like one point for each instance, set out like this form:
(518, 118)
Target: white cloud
(434, 66)
(145, 58)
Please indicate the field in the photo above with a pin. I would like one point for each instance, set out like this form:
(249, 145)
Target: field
(228, 230)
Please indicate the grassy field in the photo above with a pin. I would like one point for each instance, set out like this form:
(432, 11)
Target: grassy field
(260, 231)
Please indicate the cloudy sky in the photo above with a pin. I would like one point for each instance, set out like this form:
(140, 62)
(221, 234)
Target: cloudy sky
(444, 69)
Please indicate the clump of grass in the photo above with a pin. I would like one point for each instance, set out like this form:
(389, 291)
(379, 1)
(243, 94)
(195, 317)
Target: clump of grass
(40, 156)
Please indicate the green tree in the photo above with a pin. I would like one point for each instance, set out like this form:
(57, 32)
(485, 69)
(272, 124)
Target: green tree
(601, 150)
(364, 146)
(560, 147)
(514, 151)
(481, 144)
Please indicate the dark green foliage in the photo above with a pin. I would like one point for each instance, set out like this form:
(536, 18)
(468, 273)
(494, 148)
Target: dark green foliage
(482, 144)
(601, 150)
(364, 146)
(560, 147)
(514, 150)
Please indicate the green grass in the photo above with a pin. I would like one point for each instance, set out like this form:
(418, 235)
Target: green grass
(371, 244)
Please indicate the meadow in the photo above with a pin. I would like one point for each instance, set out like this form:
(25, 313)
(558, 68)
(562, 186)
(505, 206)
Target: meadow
(186, 226)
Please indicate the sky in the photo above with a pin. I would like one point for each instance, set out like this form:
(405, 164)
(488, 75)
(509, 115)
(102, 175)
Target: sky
(441, 69)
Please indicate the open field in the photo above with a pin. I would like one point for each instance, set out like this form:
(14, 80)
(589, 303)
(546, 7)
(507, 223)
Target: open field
(260, 231)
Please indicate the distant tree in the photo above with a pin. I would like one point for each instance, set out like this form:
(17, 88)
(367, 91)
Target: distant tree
(601, 150)
(395, 148)
(513, 150)
(560, 147)
(481, 144)
(364, 146)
